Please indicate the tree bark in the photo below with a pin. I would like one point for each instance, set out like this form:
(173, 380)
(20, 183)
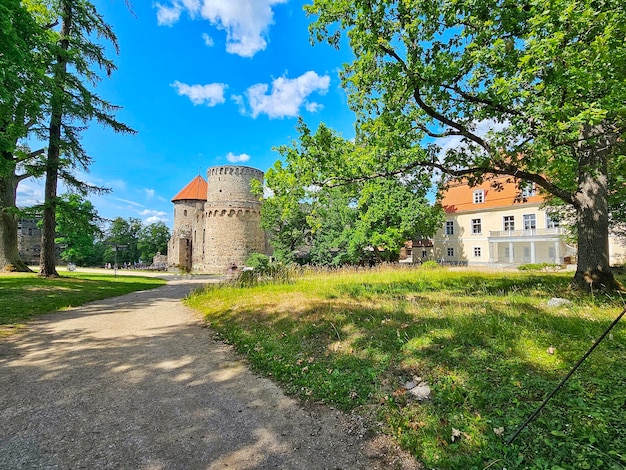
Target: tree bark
(47, 263)
(9, 253)
(593, 270)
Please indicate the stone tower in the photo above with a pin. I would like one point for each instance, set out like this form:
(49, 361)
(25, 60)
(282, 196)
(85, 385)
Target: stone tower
(188, 206)
(217, 223)
(233, 217)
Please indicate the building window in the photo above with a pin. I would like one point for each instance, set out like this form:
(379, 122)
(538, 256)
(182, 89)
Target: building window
(529, 190)
(185, 213)
(507, 252)
(450, 227)
(450, 252)
(530, 222)
(479, 196)
(509, 222)
(550, 222)
(551, 253)
(476, 226)
(424, 253)
(476, 252)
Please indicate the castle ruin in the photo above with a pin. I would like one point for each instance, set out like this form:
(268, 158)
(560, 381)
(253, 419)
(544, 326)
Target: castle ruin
(217, 222)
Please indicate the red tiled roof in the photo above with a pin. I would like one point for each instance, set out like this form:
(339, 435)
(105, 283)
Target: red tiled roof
(196, 190)
(459, 197)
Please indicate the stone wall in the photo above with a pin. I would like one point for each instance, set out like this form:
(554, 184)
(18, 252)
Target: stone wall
(232, 229)
(179, 247)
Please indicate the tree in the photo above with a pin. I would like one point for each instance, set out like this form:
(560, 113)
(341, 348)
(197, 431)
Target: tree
(153, 239)
(534, 90)
(72, 106)
(123, 236)
(348, 220)
(78, 227)
(22, 93)
(284, 214)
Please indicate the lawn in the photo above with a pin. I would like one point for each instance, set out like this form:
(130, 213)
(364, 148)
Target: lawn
(487, 344)
(24, 295)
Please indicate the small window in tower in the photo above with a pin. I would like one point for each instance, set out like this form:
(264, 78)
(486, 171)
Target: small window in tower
(185, 212)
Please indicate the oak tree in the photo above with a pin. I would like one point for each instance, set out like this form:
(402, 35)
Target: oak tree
(533, 90)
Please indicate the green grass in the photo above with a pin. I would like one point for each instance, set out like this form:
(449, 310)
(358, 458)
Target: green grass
(354, 338)
(24, 295)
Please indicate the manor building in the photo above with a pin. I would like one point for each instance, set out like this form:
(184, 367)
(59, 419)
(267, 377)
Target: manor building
(496, 224)
(217, 221)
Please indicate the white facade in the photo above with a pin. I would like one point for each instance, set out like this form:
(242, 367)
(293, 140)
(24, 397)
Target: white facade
(500, 227)
(514, 235)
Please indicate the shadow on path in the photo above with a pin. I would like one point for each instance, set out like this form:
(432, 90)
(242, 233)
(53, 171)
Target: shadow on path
(135, 382)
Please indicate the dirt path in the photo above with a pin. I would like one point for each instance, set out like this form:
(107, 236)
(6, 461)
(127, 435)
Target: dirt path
(135, 382)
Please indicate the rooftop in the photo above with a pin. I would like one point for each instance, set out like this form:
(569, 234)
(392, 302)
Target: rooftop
(496, 192)
(196, 190)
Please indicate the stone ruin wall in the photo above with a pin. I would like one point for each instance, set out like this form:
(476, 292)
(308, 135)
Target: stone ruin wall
(179, 246)
(232, 219)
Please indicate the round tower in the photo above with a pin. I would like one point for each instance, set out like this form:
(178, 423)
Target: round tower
(233, 217)
(188, 207)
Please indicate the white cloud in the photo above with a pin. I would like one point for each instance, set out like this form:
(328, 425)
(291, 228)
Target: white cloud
(29, 194)
(208, 40)
(149, 192)
(237, 158)
(287, 95)
(313, 107)
(129, 202)
(153, 213)
(153, 216)
(167, 16)
(239, 101)
(211, 94)
(246, 22)
(154, 219)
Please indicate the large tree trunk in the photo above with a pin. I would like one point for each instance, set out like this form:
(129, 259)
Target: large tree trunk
(47, 263)
(9, 253)
(593, 271)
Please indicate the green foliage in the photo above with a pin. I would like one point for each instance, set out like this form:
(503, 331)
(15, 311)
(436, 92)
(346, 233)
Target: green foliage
(261, 270)
(259, 262)
(539, 267)
(430, 264)
(78, 227)
(153, 239)
(123, 234)
(488, 346)
(324, 204)
(534, 90)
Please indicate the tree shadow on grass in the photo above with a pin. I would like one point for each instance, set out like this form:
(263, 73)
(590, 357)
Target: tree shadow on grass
(489, 366)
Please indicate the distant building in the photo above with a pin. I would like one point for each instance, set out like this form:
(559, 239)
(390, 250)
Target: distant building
(493, 224)
(29, 240)
(217, 222)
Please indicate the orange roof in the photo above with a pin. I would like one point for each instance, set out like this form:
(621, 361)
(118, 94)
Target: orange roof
(499, 191)
(196, 190)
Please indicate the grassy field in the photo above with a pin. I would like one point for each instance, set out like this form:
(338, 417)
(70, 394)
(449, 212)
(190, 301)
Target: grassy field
(487, 344)
(24, 295)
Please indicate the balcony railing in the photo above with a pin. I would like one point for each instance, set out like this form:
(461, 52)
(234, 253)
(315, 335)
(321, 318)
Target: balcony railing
(534, 232)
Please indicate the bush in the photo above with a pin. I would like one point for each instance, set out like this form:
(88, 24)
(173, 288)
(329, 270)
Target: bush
(430, 265)
(259, 262)
(259, 269)
(539, 267)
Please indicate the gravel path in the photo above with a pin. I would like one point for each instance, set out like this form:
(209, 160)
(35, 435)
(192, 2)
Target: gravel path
(135, 382)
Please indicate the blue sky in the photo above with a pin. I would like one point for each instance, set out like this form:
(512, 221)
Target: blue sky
(204, 82)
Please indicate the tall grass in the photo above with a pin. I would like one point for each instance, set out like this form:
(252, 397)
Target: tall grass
(485, 342)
